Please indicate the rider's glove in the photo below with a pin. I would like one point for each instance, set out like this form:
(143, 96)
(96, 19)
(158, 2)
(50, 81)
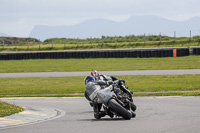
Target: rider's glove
(121, 82)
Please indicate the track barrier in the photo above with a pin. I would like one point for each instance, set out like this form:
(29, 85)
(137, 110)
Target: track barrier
(118, 53)
(174, 52)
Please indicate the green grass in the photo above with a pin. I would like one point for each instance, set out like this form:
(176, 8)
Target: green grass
(41, 86)
(48, 47)
(9, 109)
(74, 86)
(157, 83)
(109, 43)
(102, 64)
(195, 93)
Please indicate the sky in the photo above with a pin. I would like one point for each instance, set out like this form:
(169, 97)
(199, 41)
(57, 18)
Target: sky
(18, 17)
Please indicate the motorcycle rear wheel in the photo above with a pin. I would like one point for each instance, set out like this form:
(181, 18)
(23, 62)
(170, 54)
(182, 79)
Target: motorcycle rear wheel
(116, 107)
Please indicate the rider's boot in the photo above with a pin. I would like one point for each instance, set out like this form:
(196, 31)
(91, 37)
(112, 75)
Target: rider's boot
(100, 114)
(97, 113)
(91, 103)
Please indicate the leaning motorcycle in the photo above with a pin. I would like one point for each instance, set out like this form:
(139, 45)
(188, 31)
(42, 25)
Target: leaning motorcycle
(116, 100)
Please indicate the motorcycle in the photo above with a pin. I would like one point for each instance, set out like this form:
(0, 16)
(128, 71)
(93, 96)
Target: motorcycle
(116, 100)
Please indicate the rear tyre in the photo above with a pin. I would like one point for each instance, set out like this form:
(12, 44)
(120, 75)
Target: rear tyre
(117, 108)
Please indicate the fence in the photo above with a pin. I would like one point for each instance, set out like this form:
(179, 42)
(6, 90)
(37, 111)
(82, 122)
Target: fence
(129, 53)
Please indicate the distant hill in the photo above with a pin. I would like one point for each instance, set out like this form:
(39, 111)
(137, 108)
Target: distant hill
(137, 25)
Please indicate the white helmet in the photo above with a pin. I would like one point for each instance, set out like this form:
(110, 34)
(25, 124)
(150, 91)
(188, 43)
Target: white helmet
(94, 73)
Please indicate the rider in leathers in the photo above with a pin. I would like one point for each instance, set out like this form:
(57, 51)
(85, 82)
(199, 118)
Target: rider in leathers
(90, 92)
(93, 84)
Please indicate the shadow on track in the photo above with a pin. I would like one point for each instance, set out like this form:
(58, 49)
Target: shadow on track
(104, 119)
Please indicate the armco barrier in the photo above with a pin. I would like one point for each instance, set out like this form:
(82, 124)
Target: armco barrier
(119, 53)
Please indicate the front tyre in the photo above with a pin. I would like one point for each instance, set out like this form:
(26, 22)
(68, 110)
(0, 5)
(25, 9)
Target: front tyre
(116, 107)
(133, 107)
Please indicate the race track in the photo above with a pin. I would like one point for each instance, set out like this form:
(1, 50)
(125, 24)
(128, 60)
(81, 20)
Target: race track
(154, 115)
(85, 73)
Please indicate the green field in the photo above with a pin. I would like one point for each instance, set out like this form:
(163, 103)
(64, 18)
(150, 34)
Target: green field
(102, 64)
(74, 86)
(108, 42)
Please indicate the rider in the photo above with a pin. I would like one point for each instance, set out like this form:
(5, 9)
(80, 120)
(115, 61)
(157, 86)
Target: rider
(102, 80)
(95, 82)
(92, 86)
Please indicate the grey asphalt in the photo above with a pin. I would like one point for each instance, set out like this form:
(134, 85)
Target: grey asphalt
(154, 115)
(85, 73)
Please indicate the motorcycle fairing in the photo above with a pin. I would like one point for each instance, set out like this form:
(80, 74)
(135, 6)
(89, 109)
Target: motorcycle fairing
(105, 94)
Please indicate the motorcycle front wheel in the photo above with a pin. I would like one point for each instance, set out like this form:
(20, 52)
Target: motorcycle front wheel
(133, 107)
(121, 111)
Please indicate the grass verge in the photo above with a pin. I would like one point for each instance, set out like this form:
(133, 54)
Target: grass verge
(9, 109)
(176, 93)
(74, 86)
(109, 43)
(102, 64)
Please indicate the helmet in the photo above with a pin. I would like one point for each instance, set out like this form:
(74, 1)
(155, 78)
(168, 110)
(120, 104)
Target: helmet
(88, 79)
(94, 73)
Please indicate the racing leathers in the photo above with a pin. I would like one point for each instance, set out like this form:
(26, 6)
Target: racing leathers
(101, 82)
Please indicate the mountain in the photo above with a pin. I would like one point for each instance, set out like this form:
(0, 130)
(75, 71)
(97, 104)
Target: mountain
(137, 25)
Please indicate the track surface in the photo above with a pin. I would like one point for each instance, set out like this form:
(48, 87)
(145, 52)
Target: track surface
(154, 115)
(137, 72)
